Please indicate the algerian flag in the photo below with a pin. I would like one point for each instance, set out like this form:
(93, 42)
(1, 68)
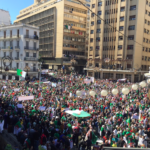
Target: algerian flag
(128, 121)
(93, 138)
(21, 73)
(18, 124)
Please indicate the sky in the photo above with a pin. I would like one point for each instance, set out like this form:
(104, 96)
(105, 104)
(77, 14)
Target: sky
(14, 6)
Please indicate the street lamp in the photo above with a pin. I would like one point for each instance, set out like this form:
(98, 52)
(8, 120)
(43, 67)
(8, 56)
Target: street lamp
(40, 64)
(134, 86)
(114, 91)
(125, 91)
(92, 93)
(104, 93)
(27, 68)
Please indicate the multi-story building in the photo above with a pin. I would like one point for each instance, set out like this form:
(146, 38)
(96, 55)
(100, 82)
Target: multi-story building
(4, 17)
(19, 49)
(62, 31)
(119, 43)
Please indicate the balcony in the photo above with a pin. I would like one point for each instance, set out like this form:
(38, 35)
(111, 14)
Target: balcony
(35, 37)
(17, 47)
(31, 59)
(7, 48)
(31, 48)
(16, 58)
(9, 37)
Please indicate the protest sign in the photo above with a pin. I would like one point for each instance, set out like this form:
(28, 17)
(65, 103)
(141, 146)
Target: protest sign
(24, 98)
(42, 108)
(19, 105)
(53, 84)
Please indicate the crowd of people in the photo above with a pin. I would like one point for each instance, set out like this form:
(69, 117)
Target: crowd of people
(41, 122)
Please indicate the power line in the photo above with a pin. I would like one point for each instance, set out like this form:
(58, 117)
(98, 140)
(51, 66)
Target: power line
(107, 23)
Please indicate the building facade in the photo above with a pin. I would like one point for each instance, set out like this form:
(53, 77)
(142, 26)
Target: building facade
(19, 49)
(4, 17)
(119, 43)
(62, 31)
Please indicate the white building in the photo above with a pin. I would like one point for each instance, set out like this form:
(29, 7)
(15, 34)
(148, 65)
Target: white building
(4, 17)
(20, 43)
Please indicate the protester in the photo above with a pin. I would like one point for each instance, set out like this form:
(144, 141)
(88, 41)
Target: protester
(37, 113)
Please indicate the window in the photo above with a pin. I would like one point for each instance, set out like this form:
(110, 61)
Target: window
(99, 12)
(27, 32)
(145, 58)
(11, 54)
(91, 48)
(17, 54)
(121, 19)
(122, 9)
(92, 23)
(98, 31)
(11, 43)
(120, 38)
(34, 45)
(121, 28)
(4, 34)
(131, 37)
(4, 54)
(27, 54)
(148, 22)
(143, 39)
(142, 59)
(122, 0)
(145, 11)
(97, 47)
(17, 43)
(4, 43)
(133, 7)
(92, 15)
(93, 5)
(130, 47)
(143, 49)
(34, 54)
(99, 3)
(92, 31)
(17, 65)
(11, 33)
(119, 47)
(27, 43)
(98, 39)
(132, 27)
(98, 21)
(132, 17)
(129, 56)
(18, 33)
(91, 40)
(145, 21)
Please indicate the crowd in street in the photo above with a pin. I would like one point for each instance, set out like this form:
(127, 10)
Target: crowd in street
(41, 123)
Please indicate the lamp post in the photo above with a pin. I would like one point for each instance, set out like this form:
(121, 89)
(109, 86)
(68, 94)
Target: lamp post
(125, 91)
(104, 93)
(114, 91)
(40, 64)
(92, 93)
(142, 84)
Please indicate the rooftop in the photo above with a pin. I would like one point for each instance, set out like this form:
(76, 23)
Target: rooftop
(17, 25)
